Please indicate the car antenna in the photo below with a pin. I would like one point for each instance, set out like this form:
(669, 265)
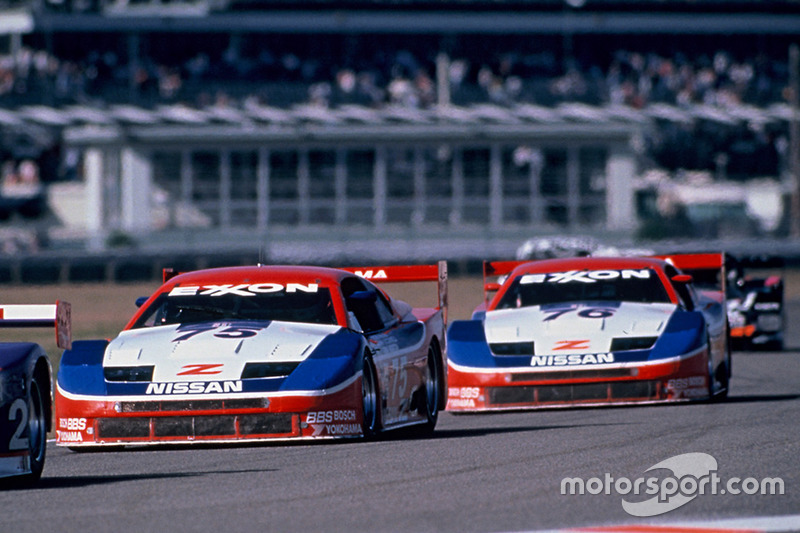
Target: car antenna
(260, 255)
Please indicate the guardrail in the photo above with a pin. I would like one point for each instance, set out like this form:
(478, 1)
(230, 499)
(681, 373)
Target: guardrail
(464, 257)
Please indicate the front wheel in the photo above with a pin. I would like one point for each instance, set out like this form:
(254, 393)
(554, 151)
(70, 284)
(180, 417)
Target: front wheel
(370, 399)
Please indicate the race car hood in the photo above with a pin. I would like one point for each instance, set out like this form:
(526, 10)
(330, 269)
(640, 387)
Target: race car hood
(213, 350)
(578, 327)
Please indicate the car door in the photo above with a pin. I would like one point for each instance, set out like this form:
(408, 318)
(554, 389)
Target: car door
(397, 348)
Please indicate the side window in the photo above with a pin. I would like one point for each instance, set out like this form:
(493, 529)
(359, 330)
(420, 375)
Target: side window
(684, 290)
(366, 304)
(384, 308)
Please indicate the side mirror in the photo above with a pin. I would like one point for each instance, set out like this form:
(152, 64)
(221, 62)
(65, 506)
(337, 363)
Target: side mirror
(491, 287)
(362, 297)
(141, 300)
(682, 278)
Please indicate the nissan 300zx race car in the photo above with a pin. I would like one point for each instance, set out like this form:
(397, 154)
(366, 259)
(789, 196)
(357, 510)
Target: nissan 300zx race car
(590, 331)
(26, 391)
(257, 353)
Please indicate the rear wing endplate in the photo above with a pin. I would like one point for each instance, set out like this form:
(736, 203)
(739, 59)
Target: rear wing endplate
(495, 269)
(408, 273)
(58, 315)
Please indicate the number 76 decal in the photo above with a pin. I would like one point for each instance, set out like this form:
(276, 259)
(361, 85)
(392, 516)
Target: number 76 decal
(585, 312)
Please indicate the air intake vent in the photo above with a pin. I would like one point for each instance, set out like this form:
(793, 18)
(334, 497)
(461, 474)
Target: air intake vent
(511, 348)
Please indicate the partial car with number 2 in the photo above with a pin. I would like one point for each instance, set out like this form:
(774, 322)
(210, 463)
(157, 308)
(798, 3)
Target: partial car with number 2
(26, 391)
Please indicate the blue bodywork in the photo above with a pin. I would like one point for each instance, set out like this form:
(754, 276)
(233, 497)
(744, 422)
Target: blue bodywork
(336, 358)
(467, 345)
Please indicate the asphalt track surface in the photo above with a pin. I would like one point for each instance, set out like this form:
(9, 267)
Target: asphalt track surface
(483, 473)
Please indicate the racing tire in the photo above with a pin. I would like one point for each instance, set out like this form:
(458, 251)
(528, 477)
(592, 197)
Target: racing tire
(370, 399)
(724, 375)
(720, 375)
(37, 432)
(433, 392)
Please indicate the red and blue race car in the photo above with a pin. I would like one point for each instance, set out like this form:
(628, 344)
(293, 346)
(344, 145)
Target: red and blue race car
(590, 331)
(26, 401)
(258, 353)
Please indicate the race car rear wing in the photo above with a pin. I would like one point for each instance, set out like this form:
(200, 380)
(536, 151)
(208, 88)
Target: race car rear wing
(707, 269)
(58, 315)
(496, 269)
(408, 273)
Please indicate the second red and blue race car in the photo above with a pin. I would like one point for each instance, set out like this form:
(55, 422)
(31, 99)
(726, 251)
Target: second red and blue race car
(258, 353)
(591, 331)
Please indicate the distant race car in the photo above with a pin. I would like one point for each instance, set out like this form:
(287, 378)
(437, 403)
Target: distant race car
(26, 401)
(590, 331)
(755, 303)
(259, 353)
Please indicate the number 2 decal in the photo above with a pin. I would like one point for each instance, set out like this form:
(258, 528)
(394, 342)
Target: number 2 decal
(18, 410)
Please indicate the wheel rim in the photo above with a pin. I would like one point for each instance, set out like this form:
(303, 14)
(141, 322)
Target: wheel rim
(36, 424)
(369, 397)
(432, 385)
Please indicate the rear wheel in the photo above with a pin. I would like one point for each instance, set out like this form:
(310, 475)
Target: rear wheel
(433, 388)
(370, 398)
(724, 374)
(719, 377)
(37, 427)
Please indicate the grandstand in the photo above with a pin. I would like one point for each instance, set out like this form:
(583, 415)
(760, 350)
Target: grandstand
(455, 116)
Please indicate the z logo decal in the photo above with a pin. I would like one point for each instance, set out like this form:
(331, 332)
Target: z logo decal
(200, 370)
(572, 345)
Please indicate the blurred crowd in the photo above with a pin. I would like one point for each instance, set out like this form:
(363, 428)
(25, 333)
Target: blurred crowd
(235, 71)
(399, 77)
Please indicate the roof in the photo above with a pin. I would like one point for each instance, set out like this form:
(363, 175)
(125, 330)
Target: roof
(587, 263)
(324, 276)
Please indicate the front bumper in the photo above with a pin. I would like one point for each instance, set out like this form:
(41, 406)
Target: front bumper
(83, 421)
(674, 380)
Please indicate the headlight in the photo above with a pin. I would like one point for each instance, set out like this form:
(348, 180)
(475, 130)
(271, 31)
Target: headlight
(511, 348)
(128, 373)
(623, 344)
(268, 370)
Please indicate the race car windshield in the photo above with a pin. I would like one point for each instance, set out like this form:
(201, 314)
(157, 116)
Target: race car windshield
(635, 285)
(307, 307)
